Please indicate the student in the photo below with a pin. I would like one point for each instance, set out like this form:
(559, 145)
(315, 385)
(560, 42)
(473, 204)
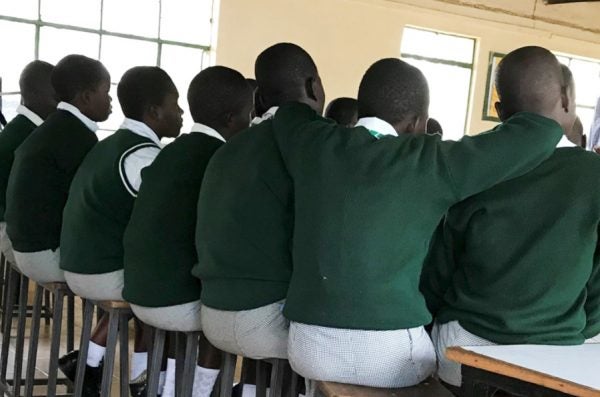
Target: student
(38, 100)
(46, 161)
(101, 200)
(367, 201)
(512, 265)
(343, 111)
(159, 240)
(245, 215)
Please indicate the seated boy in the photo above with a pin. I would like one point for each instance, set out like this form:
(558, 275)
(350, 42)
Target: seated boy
(159, 240)
(512, 265)
(46, 162)
(343, 111)
(38, 100)
(367, 201)
(101, 199)
(245, 212)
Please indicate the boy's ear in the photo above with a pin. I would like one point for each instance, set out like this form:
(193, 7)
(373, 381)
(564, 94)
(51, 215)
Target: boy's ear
(499, 109)
(564, 98)
(227, 119)
(309, 87)
(416, 125)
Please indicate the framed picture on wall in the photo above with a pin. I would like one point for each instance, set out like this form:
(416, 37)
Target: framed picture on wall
(491, 95)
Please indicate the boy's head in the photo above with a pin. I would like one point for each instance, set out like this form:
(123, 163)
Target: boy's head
(434, 127)
(84, 83)
(396, 92)
(147, 94)
(286, 73)
(37, 92)
(343, 111)
(221, 98)
(531, 79)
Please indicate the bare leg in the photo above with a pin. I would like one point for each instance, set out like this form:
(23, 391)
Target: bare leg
(208, 355)
(100, 333)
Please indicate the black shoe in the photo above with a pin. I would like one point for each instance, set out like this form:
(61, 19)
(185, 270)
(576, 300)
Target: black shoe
(92, 381)
(68, 364)
(138, 386)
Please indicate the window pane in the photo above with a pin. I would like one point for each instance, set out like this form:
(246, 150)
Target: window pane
(84, 13)
(586, 115)
(9, 106)
(116, 117)
(587, 81)
(57, 43)
(437, 45)
(449, 95)
(119, 55)
(182, 73)
(19, 47)
(21, 8)
(186, 21)
(117, 17)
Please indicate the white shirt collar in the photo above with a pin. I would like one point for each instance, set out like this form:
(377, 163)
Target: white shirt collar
(376, 124)
(34, 118)
(269, 114)
(89, 123)
(565, 142)
(137, 127)
(203, 128)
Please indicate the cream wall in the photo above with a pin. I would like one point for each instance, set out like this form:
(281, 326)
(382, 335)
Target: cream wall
(346, 36)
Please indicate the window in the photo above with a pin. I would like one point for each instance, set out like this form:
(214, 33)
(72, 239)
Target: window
(173, 34)
(447, 62)
(586, 74)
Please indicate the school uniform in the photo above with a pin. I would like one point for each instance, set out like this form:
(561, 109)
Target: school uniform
(159, 240)
(243, 237)
(98, 209)
(366, 204)
(11, 138)
(38, 186)
(517, 264)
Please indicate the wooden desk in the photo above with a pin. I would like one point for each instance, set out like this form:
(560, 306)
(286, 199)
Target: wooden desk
(429, 388)
(530, 369)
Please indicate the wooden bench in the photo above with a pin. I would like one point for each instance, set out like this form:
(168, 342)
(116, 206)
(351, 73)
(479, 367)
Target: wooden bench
(429, 388)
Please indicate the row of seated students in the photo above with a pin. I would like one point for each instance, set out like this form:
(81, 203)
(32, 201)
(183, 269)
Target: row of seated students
(328, 245)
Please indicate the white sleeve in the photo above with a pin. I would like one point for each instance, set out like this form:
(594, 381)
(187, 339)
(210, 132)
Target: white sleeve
(133, 162)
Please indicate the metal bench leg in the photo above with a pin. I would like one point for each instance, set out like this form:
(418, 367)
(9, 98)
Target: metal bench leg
(59, 296)
(179, 359)
(277, 377)
(47, 307)
(189, 364)
(7, 315)
(156, 356)
(109, 356)
(34, 337)
(20, 342)
(70, 322)
(227, 374)
(124, 353)
(88, 313)
(261, 378)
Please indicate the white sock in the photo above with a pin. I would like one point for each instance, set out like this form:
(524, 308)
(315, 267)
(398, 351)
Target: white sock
(161, 381)
(169, 387)
(204, 381)
(249, 391)
(95, 354)
(139, 363)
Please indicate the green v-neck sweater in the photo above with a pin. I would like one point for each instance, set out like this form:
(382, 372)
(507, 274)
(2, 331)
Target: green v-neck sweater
(365, 209)
(518, 263)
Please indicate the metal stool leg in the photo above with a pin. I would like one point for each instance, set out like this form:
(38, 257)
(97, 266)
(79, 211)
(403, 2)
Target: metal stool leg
(261, 381)
(156, 355)
(59, 296)
(88, 313)
(34, 336)
(70, 322)
(294, 384)
(47, 307)
(3, 265)
(109, 356)
(20, 342)
(7, 314)
(124, 353)
(277, 377)
(227, 374)
(179, 359)
(189, 363)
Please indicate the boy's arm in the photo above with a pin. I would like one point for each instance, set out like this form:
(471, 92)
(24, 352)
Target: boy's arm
(592, 303)
(512, 149)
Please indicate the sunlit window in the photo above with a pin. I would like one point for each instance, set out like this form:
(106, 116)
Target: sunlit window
(173, 34)
(586, 74)
(447, 62)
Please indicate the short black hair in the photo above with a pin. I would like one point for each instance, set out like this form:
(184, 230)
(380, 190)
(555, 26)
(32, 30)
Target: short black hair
(529, 79)
(35, 79)
(393, 90)
(216, 92)
(76, 73)
(343, 111)
(142, 87)
(434, 127)
(282, 71)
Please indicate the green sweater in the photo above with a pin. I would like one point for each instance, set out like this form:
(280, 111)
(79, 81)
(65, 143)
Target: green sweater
(99, 207)
(513, 264)
(159, 240)
(11, 138)
(243, 234)
(39, 182)
(365, 210)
